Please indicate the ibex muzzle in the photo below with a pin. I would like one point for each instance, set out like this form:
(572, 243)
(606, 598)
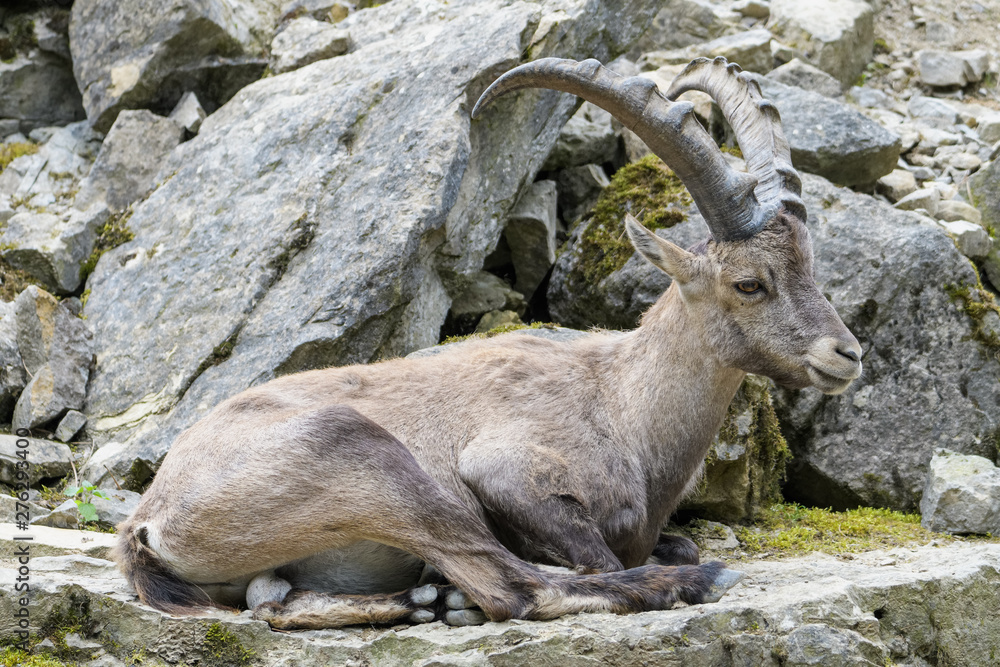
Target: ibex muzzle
(325, 492)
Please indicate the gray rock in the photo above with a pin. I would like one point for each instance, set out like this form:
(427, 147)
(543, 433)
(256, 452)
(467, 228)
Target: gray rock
(897, 184)
(984, 187)
(305, 40)
(681, 23)
(333, 11)
(926, 199)
(868, 98)
(70, 425)
(480, 293)
(111, 510)
(946, 69)
(991, 266)
(37, 86)
(45, 459)
(757, 9)
(751, 49)
(52, 175)
(13, 377)
(900, 605)
(48, 542)
(52, 248)
(579, 188)
(189, 113)
(284, 254)
(798, 73)
(836, 35)
(497, 318)
(131, 155)
(954, 209)
(588, 138)
(531, 236)
(962, 494)
(965, 161)
(140, 56)
(886, 272)
(831, 139)
(970, 238)
(13, 510)
(920, 106)
(57, 350)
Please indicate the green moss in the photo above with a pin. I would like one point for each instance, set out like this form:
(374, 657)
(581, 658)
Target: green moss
(881, 47)
(220, 353)
(647, 189)
(977, 302)
(223, 649)
(112, 234)
(12, 657)
(733, 491)
(496, 331)
(22, 33)
(10, 152)
(793, 530)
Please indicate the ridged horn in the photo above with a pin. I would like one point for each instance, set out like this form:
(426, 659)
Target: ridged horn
(724, 196)
(756, 123)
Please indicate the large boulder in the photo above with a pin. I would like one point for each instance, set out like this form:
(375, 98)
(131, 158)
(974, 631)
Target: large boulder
(907, 293)
(836, 36)
(962, 494)
(831, 139)
(323, 216)
(147, 54)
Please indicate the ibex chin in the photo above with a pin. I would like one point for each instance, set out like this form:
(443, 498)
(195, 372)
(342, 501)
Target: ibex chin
(317, 499)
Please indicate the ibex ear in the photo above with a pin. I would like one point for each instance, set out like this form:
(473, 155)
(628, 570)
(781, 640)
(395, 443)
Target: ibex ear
(672, 259)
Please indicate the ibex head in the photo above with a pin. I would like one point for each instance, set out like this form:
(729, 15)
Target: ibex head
(750, 288)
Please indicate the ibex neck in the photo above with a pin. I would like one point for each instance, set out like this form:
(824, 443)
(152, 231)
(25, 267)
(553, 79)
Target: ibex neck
(674, 394)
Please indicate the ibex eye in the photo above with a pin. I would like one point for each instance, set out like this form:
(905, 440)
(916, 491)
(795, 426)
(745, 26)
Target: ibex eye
(748, 286)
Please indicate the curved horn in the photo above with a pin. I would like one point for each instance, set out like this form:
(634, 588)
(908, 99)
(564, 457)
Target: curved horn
(724, 196)
(757, 126)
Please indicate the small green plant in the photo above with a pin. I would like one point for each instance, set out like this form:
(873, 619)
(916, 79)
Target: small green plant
(83, 495)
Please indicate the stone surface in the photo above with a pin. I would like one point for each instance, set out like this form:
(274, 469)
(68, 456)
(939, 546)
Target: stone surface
(831, 139)
(57, 350)
(478, 294)
(305, 40)
(189, 113)
(36, 84)
(962, 494)
(52, 248)
(680, 23)
(799, 73)
(50, 177)
(970, 238)
(984, 187)
(111, 510)
(70, 425)
(47, 541)
(837, 36)
(45, 459)
(497, 318)
(953, 209)
(323, 216)
(921, 106)
(751, 49)
(579, 188)
(147, 55)
(13, 377)
(13, 510)
(588, 138)
(878, 607)
(897, 184)
(946, 69)
(757, 9)
(926, 199)
(887, 273)
(135, 149)
(531, 236)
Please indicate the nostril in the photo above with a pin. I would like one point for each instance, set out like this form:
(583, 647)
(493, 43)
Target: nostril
(848, 352)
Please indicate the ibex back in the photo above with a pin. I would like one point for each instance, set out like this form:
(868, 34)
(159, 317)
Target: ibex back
(317, 498)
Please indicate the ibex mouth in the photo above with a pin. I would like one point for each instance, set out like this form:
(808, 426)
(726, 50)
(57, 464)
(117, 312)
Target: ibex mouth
(833, 381)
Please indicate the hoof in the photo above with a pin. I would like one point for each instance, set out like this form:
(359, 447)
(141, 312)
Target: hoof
(725, 580)
(456, 599)
(460, 617)
(422, 616)
(424, 595)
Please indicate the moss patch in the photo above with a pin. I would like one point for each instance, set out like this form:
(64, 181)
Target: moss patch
(981, 306)
(12, 657)
(647, 189)
(10, 152)
(14, 281)
(496, 331)
(223, 649)
(794, 530)
(112, 234)
(734, 491)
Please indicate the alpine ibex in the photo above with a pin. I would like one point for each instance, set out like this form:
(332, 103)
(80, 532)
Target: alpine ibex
(318, 497)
